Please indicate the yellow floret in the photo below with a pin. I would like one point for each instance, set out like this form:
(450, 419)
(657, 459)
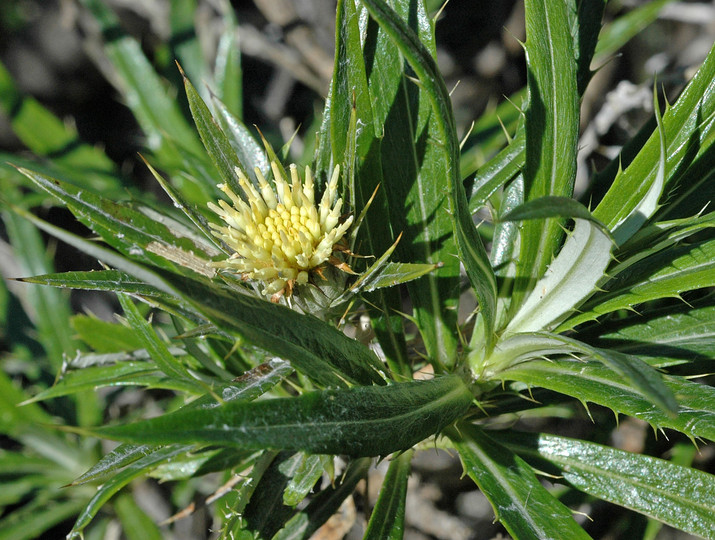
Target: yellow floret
(279, 236)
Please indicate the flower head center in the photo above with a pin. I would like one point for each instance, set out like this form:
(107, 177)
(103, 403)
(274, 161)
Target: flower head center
(280, 235)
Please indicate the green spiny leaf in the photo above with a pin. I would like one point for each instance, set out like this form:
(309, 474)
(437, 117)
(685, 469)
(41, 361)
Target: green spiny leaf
(520, 502)
(591, 381)
(360, 421)
(677, 495)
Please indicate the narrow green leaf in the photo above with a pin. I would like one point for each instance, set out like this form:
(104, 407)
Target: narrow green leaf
(215, 141)
(360, 421)
(489, 136)
(679, 496)
(98, 280)
(388, 515)
(246, 387)
(383, 273)
(194, 176)
(629, 222)
(113, 280)
(91, 378)
(663, 275)
(114, 461)
(188, 210)
(199, 463)
(446, 148)
(349, 88)
(249, 152)
(323, 154)
(551, 125)
(662, 234)
(590, 381)
(373, 272)
(550, 206)
(158, 350)
(692, 186)
(135, 469)
(505, 242)
(497, 172)
(139, 232)
(675, 337)
(395, 273)
(519, 500)
(93, 249)
(640, 377)
(686, 128)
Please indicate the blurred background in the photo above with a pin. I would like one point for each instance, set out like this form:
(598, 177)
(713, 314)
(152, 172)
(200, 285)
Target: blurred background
(52, 49)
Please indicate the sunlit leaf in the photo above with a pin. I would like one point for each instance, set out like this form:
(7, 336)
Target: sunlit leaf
(677, 495)
(666, 274)
(592, 382)
(360, 421)
(519, 500)
(575, 272)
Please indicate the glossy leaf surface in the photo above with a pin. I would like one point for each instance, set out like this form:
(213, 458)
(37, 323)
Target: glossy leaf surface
(520, 502)
(589, 381)
(680, 496)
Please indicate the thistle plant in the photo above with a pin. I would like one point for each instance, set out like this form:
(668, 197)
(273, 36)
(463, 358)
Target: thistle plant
(582, 309)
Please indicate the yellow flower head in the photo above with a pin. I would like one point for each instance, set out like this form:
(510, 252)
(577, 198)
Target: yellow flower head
(279, 236)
